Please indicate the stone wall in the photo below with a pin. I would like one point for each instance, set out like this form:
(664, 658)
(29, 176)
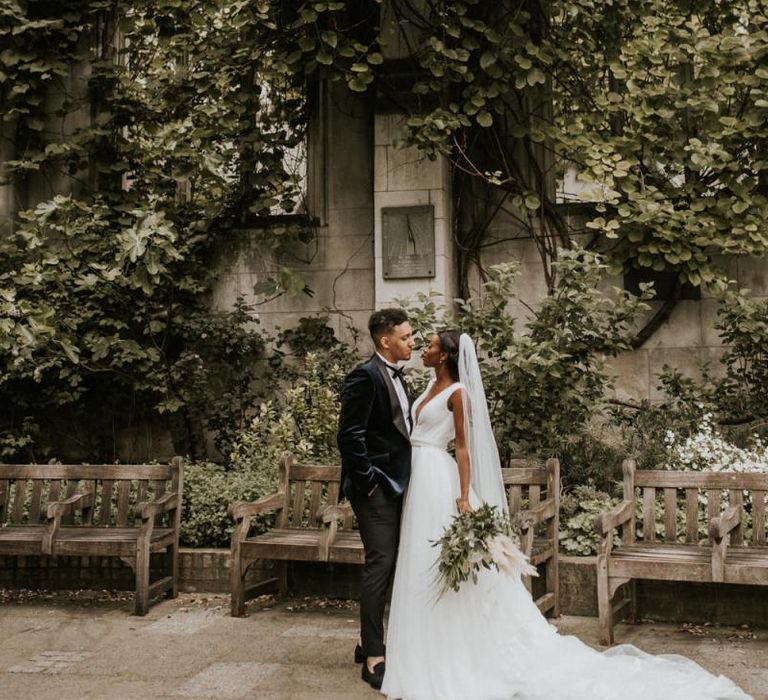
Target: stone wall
(338, 264)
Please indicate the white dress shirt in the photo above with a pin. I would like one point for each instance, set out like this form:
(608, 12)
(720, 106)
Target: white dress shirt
(400, 391)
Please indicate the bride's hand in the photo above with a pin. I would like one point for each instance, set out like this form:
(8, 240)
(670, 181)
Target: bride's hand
(463, 505)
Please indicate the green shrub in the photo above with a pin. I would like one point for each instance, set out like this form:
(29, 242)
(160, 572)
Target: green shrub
(578, 509)
(303, 421)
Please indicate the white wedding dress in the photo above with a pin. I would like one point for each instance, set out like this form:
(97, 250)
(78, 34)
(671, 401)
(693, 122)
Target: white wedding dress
(489, 641)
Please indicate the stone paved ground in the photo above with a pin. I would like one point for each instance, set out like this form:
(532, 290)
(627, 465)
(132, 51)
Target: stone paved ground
(87, 645)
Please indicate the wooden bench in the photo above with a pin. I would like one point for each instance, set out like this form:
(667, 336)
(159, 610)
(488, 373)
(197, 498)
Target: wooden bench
(310, 525)
(126, 511)
(724, 554)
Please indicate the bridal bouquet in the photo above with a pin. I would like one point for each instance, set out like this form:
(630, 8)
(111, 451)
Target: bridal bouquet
(483, 538)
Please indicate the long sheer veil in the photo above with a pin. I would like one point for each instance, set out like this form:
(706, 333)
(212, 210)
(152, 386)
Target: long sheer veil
(485, 466)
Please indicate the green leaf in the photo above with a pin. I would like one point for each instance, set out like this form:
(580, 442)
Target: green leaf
(485, 119)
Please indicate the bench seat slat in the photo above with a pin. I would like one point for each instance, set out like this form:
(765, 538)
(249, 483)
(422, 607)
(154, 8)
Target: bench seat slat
(97, 541)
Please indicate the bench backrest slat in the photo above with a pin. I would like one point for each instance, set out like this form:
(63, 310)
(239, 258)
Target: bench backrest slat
(670, 514)
(5, 494)
(314, 502)
(105, 507)
(123, 502)
(649, 514)
(19, 494)
(308, 487)
(26, 491)
(297, 511)
(693, 499)
(36, 505)
(692, 516)
(736, 498)
(758, 517)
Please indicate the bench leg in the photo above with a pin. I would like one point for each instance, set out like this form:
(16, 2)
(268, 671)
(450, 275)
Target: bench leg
(236, 586)
(172, 557)
(605, 617)
(281, 570)
(141, 603)
(633, 601)
(553, 584)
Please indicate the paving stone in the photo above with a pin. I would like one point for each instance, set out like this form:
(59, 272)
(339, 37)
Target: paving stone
(321, 632)
(50, 662)
(184, 622)
(227, 680)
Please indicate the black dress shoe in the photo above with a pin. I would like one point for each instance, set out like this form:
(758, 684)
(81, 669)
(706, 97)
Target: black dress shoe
(374, 678)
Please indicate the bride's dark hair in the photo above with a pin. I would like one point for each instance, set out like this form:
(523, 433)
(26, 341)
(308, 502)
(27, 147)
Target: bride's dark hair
(449, 344)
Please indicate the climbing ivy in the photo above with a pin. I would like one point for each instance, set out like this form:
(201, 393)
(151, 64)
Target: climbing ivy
(143, 138)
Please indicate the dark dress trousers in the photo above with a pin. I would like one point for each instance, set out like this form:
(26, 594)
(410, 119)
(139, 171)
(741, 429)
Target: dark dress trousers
(375, 451)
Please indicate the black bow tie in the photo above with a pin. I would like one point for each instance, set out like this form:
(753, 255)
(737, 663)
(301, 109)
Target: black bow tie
(397, 372)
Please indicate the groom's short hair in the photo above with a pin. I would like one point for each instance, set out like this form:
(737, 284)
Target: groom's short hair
(383, 322)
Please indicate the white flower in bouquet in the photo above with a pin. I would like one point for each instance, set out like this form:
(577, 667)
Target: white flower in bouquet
(480, 539)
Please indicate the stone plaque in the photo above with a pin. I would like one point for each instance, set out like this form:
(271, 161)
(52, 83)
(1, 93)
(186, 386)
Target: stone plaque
(408, 241)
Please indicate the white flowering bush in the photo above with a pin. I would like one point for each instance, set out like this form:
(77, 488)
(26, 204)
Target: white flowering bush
(708, 450)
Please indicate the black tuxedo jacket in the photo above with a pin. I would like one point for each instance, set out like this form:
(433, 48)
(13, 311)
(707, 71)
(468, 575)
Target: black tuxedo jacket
(373, 434)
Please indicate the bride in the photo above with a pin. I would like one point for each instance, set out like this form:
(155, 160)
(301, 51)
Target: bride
(488, 641)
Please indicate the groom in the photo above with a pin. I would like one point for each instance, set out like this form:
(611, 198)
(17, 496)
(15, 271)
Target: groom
(374, 430)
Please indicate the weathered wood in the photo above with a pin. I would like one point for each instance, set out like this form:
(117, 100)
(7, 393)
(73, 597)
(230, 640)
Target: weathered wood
(5, 493)
(131, 472)
(744, 563)
(649, 514)
(670, 514)
(661, 478)
(515, 498)
(19, 494)
(70, 531)
(35, 503)
(316, 493)
(297, 511)
(691, 515)
(327, 534)
(713, 504)
(523, 475)
(123, 501)
(628, 529)
(72, 485)
(758, 517)
(736, 499)
(105, 509)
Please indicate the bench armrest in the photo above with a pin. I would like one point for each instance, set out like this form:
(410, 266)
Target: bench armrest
(719, 527)
(330, 515)
(57, 510)
(540, 513)
(335, 512)
(619, 515)
(80, 501)
(162, 505)
(246, 509)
